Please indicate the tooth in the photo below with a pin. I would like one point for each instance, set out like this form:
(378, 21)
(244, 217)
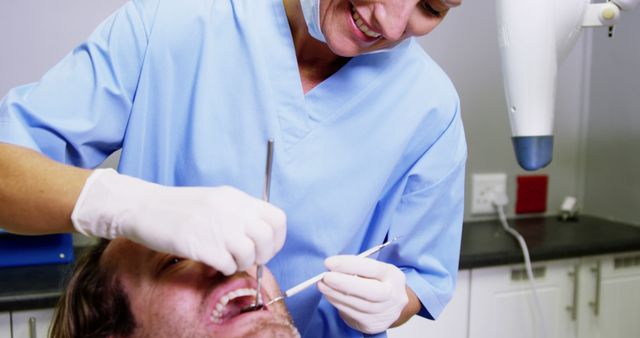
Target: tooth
(372, 34)
(220, 307)
(224, 299)
(356, 15)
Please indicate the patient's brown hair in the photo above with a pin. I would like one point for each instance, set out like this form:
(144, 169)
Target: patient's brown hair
(93, 304)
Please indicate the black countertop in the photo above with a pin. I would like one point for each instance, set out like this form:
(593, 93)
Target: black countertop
(487, 244)
(483, 244)
(31, 287)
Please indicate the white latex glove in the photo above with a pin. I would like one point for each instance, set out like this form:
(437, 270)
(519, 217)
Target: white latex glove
(369, 294)
(220, 226)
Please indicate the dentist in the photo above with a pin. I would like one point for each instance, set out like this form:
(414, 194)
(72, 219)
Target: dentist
(369, 146)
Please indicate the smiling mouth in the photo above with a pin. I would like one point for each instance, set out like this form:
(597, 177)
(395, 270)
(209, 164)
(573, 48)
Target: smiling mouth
(233, 304)
(362, 26)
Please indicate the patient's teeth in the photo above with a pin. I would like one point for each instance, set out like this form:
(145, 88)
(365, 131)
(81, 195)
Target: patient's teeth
(218, 312)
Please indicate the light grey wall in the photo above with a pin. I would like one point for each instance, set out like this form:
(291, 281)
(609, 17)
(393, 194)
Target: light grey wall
(35, 34)
(612, 186)
(465, 45)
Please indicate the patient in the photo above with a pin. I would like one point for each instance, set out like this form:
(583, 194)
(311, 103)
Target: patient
(122, 289)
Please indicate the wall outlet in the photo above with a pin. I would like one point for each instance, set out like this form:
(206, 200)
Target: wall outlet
(485, 187)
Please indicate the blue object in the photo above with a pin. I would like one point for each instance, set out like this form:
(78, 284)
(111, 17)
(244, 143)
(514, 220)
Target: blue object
(18, 250)
(533, 152)
(192, 90)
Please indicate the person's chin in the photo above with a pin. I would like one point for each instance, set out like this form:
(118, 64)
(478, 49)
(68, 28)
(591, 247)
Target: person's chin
(268, 328)
(344, 48)
(262, 323)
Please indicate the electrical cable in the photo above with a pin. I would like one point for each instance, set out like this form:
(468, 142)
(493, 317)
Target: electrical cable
(499, 204)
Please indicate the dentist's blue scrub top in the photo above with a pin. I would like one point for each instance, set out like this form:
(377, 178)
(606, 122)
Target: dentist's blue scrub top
(191, 90)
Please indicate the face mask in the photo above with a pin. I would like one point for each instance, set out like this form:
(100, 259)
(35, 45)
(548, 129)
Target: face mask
(311, 11)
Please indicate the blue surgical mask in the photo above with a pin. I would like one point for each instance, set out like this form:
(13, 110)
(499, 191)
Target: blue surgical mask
(311, 11)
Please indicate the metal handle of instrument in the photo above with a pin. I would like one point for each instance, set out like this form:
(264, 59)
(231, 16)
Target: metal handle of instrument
(573, 308)
(595, 305)
(32, 328)
(266, 192)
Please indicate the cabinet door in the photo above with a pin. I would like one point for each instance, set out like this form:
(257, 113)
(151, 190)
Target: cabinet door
(32, 324)
(452, 322)
(5, 325)
(502, 303)
(610, 296)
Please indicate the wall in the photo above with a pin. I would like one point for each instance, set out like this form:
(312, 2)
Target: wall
(35, 34)
(612, 185)
(465, 45)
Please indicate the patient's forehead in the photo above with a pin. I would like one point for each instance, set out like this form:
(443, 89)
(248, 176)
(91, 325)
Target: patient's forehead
(123, 255)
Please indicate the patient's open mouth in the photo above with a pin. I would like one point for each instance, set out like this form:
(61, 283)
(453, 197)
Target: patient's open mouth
(234, 303)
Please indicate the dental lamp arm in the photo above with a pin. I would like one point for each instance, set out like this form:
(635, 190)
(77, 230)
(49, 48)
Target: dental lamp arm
(534, 37)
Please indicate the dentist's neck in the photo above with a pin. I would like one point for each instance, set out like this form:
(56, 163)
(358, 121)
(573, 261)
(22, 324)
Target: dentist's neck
(316, 61)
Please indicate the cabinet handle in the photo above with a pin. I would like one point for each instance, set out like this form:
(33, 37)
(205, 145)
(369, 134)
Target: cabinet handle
(595, 305)
(573, 308)
(32, 327)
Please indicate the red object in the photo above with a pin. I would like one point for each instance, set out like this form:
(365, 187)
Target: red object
(531, 194)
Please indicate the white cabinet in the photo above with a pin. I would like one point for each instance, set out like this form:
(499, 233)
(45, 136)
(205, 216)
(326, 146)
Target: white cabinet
(591, 297)
(452, 322)
(503, 306)
(32, 323)
(610, 296)
(5, 325)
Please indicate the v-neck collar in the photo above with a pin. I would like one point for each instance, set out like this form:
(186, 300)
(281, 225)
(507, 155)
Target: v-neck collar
(298, 114)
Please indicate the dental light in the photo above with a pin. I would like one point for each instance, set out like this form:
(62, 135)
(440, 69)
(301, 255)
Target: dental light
(534, 37)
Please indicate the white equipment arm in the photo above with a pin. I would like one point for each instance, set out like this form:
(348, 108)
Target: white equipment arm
(534, 37)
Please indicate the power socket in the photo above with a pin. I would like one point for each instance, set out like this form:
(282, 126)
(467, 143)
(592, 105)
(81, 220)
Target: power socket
(484, 189)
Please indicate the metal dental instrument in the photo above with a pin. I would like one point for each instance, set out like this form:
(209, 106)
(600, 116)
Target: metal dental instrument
(265, 197)
(311, 281)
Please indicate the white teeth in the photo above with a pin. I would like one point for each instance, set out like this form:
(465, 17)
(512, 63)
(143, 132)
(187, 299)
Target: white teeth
(362, 26)
(217, 313)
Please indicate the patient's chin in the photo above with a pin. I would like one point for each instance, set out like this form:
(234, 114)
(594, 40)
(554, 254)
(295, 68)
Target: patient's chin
(272, 329)
(265, 326)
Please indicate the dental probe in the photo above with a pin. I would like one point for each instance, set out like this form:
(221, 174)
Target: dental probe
(265, 197)
(294, 290)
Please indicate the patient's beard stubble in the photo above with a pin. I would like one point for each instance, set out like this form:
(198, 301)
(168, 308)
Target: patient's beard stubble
(270, 328)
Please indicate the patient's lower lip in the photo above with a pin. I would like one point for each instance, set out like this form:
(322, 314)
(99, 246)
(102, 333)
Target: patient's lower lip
(239, 321)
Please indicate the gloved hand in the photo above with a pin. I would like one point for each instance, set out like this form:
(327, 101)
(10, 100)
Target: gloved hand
(220, 226)
(369, 294)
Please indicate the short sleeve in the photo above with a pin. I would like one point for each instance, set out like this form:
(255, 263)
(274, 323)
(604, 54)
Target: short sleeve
(78, 111)
(429, 218)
